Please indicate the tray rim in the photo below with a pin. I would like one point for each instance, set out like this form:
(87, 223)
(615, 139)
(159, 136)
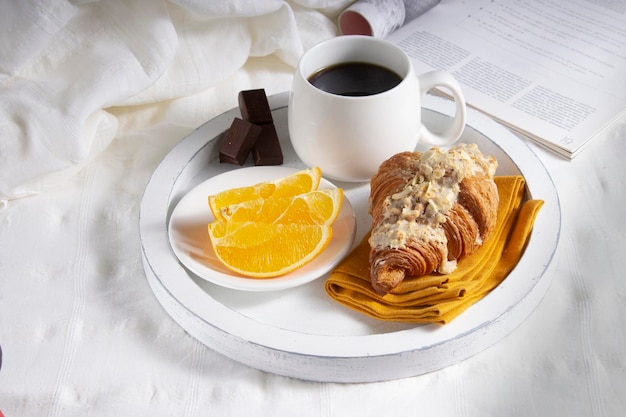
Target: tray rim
(328, 360)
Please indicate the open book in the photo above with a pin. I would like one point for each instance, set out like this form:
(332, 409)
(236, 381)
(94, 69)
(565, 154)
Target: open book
(552, 70)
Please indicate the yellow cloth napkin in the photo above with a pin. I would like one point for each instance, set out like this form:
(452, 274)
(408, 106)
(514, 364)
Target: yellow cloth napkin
(437, 298)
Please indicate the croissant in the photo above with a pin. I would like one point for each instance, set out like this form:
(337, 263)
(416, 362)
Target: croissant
(429, 210)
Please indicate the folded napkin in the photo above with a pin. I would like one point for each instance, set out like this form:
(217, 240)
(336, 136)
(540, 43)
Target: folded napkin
(437, 298)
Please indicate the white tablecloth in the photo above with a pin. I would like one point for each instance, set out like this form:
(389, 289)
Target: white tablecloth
(83, 335)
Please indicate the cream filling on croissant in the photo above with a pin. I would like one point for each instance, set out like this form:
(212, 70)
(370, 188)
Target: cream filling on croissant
(418, 210)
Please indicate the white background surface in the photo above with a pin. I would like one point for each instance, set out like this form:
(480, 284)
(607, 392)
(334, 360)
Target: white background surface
(83, 335)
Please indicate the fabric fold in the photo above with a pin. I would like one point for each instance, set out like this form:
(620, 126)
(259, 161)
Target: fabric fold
(75, 63)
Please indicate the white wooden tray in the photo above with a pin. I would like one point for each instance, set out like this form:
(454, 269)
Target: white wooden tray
(301, 332)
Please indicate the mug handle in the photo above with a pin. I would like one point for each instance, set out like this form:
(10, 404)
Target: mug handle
(430, 80)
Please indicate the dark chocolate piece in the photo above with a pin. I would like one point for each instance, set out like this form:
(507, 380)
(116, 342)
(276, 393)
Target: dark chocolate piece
(266, 150)
(238, 141)
(254, 107)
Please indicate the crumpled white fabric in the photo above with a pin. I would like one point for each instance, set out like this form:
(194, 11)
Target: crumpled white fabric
(66, 65)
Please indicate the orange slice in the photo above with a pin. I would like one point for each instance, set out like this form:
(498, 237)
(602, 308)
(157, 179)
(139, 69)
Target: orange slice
(263, 250)
(297, 183)
(319, 207)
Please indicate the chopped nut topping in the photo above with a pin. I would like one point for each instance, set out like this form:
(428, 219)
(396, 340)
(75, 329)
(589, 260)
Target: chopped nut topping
(417, 211)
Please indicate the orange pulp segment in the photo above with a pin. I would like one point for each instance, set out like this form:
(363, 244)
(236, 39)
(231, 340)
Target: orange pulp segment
(291, 185)
(264, 250)
(315, 207)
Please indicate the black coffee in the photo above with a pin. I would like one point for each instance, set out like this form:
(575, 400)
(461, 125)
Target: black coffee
(355, 79)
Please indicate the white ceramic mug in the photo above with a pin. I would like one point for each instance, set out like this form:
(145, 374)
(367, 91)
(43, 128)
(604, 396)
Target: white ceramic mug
(348, 137)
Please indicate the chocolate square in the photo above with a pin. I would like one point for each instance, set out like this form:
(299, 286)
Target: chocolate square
(254, 107)
(266, 150)
(238, 141)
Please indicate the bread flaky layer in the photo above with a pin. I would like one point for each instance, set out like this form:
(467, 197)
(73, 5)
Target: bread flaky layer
(429, 210)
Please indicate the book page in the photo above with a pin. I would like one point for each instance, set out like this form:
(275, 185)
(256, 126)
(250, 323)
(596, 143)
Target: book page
(554, 70)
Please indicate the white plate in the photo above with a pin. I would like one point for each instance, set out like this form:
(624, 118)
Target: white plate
(191, 244)
(301, 332)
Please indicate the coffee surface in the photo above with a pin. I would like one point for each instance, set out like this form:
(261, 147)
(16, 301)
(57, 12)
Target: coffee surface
(355, 79)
